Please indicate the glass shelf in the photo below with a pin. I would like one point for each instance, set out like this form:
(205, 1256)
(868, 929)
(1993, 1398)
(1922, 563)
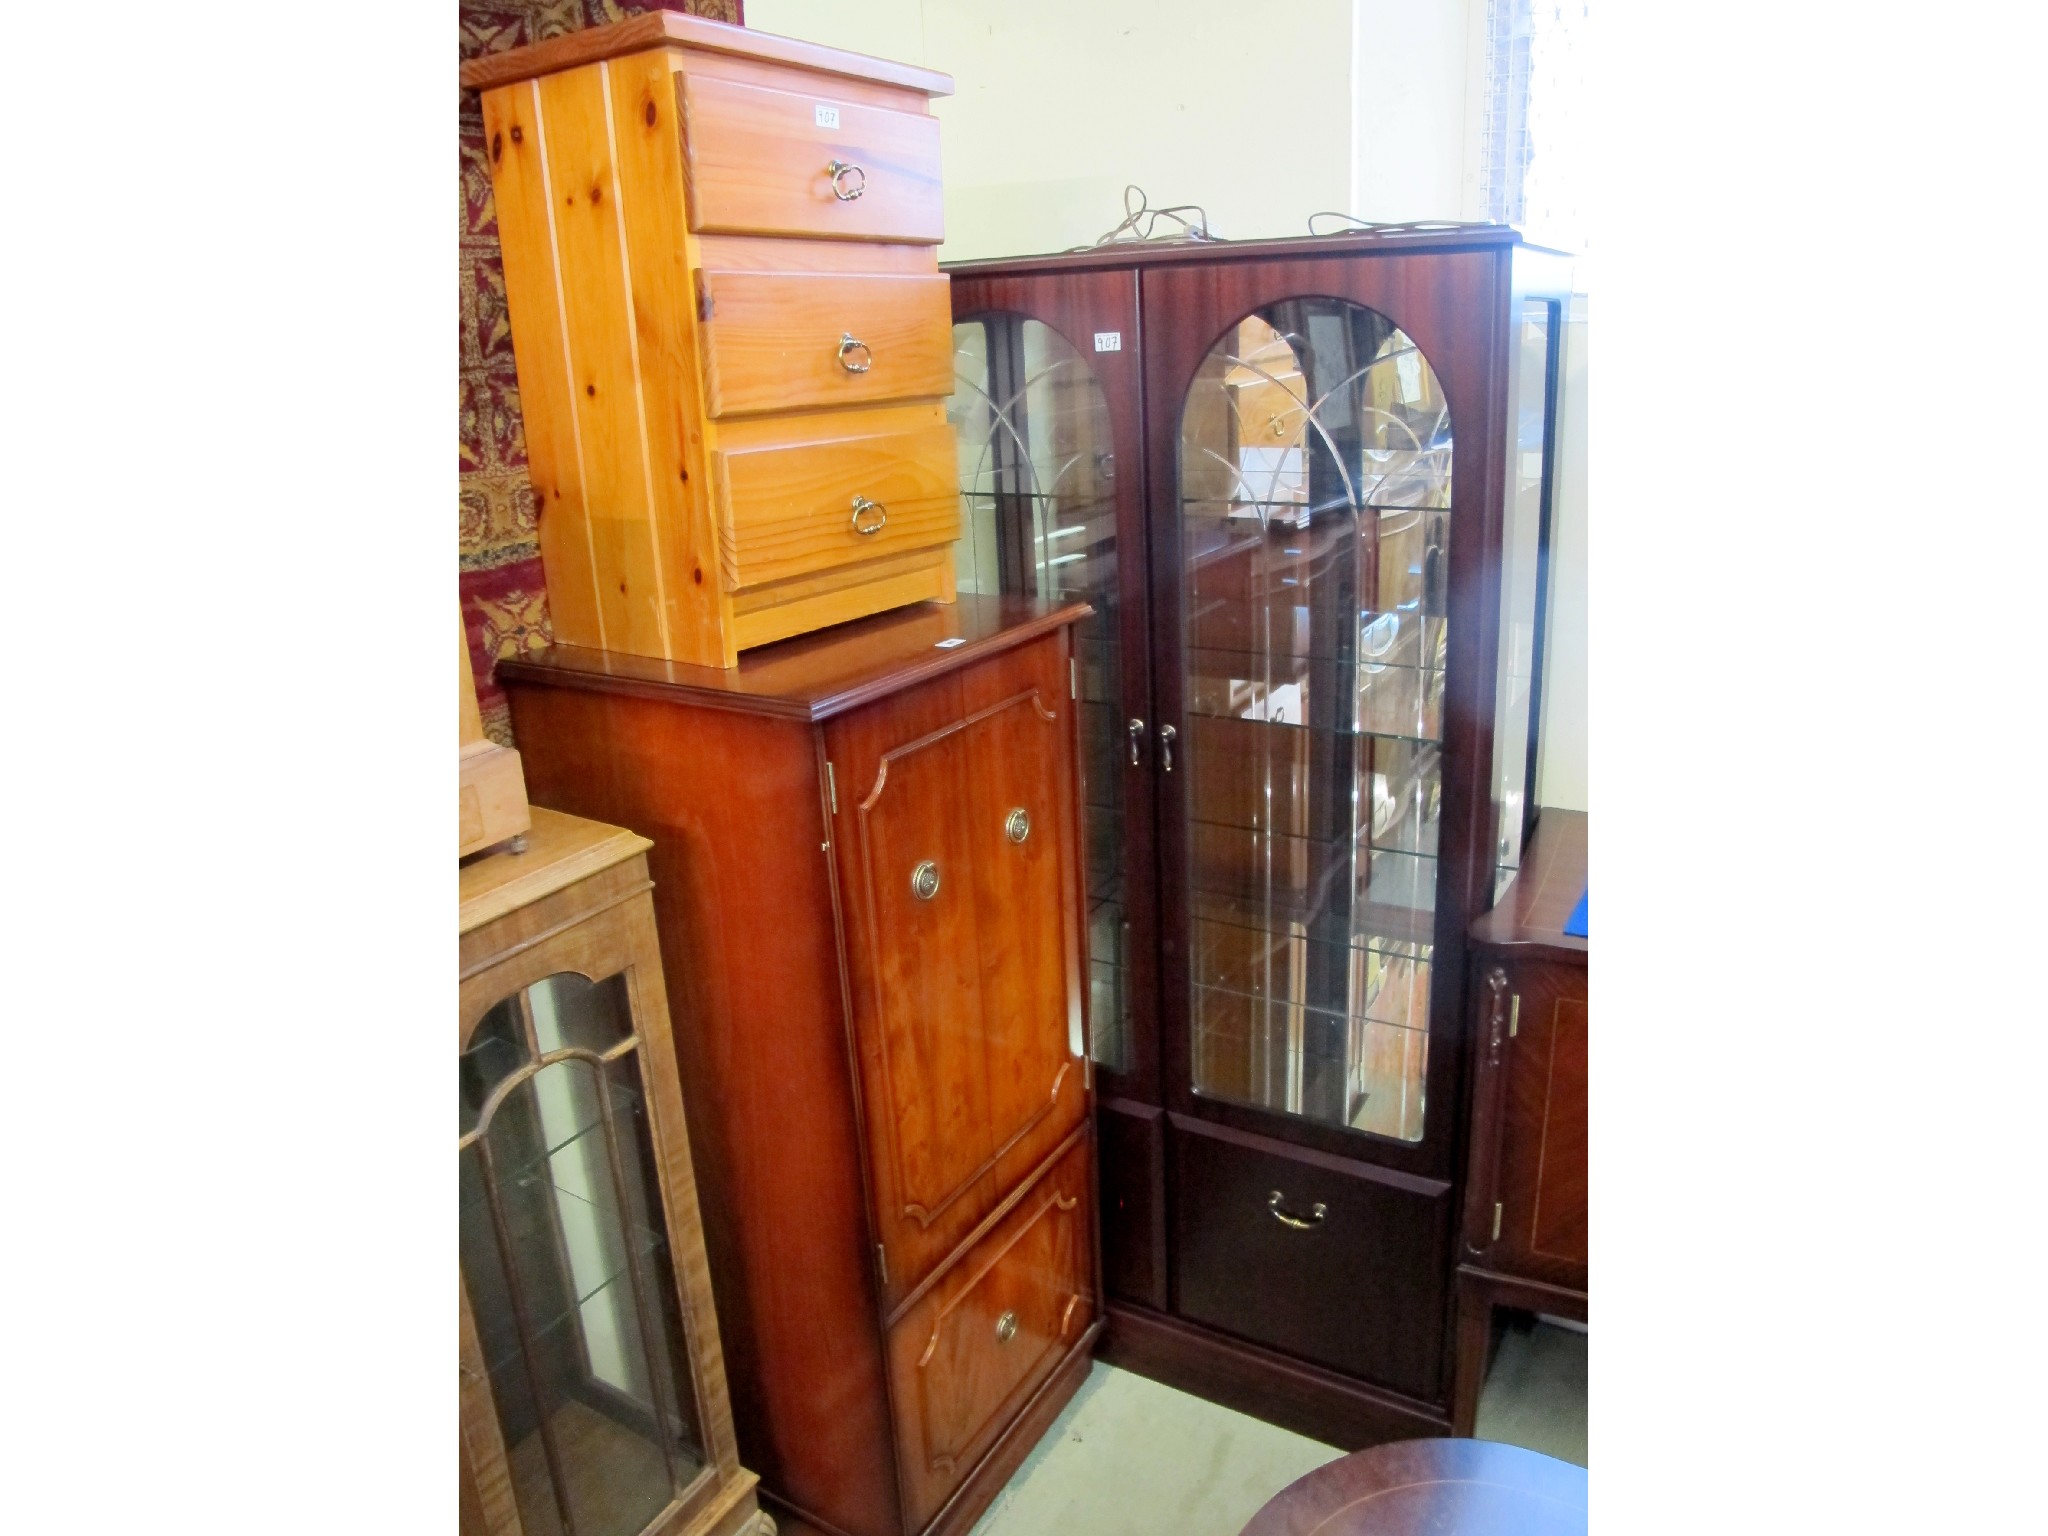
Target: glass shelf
(1315, 501)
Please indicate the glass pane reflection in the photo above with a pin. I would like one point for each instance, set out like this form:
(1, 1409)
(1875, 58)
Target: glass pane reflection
(568, 1277)
(1315, 498)
(1038, 513)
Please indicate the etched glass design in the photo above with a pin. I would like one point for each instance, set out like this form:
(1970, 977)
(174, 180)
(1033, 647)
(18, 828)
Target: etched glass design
(1315, 504)
(1038, 514)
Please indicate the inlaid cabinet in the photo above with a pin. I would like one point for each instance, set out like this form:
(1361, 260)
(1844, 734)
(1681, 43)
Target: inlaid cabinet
(1304, 486)
(731, 330)
(867, 854)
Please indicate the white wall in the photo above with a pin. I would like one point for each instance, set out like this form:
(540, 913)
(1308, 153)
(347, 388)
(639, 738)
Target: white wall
(1263, 115)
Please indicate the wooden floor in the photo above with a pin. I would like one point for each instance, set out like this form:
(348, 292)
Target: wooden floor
(616, 1479)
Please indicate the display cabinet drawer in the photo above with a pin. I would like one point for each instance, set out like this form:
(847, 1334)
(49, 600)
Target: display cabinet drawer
(975, 1346)
(1340, 1263)
(788, 341)
(819, 498)
(771, 162)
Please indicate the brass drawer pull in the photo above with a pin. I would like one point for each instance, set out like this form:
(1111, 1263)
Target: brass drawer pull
(844, 168)
(847, 347)
(1017, 825)
(1006, 1327)
(861, 507)
(924, 881)
(1315, 1216)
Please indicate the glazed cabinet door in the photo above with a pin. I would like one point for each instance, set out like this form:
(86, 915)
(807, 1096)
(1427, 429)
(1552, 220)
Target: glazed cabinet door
(956, 844)
(1046, 409)
(1317, 480)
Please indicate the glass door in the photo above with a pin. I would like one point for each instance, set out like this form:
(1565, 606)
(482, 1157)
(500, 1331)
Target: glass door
(569, 1315)
(1045, 404)
(1315, 501)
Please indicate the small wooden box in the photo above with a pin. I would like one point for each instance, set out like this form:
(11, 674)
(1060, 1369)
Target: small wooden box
(734, 342)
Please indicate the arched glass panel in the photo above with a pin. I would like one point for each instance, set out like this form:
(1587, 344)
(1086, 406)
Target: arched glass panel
(566, 1271)
(1038, 517)
(1315, 496)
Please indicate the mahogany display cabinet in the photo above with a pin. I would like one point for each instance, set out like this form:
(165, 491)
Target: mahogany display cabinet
(1304, 485)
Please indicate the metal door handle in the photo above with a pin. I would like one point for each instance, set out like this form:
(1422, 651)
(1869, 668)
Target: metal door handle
(1315, 1216)
(840, 168)
(1006, 1327)
(861, 508)
(1137, 730)
(1166, 735)
(924, 881)
(1017, 825)
(847, 347)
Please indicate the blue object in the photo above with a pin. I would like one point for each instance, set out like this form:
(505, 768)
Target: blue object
(1575, 925)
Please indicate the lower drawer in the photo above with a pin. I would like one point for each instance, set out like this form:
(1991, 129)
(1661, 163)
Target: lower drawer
(818, 495)
(967, 1357)
(1339, 1265)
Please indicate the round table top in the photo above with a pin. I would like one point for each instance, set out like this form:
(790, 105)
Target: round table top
(1439, 1487)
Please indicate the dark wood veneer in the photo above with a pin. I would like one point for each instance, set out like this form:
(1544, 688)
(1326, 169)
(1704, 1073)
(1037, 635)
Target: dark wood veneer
(820, 675)
(1524, 1237)
(1175, 1246)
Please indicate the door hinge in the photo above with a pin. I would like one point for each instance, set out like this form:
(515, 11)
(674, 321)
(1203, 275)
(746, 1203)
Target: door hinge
(1073, 678)
(1496, 1223)
(703, 298)
(1514, 1013)
(882, 1264)
(832, 785)
(1088, 1073)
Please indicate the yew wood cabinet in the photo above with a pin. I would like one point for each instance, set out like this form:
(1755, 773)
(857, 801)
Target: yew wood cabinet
(867, 877)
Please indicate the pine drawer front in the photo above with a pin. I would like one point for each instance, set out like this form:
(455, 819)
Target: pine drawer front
(794, 162)
(822, 499)
(1335, 1262)
(793, 341)
(969, 1353)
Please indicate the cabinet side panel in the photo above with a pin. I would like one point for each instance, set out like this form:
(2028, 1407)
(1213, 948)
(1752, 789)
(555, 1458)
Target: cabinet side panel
(645, 131)
(604, 378)
(519, 193)
(751, 962)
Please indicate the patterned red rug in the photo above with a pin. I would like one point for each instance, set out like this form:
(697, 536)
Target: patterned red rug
(504, 595)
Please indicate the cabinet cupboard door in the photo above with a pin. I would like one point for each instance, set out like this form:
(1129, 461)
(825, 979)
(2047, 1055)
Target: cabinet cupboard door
(963, 943)
(1525, 1212)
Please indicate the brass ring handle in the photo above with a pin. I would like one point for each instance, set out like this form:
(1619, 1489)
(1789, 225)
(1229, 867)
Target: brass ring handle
(1017, 825)
(1006, 1327)
(1316, 1213)
(861, 507)
(847, 347)
(924, 881)
(840, 168)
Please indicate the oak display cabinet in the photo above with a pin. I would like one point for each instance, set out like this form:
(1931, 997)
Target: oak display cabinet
(1304, 484)
(593, 1398)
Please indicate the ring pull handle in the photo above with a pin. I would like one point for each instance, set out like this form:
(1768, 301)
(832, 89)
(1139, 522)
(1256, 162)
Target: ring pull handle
(924, 881)
(1006, 1327)
(1017, 825)
(847, 347)
(863, 523)
(845, 191)
(1315, 1216)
